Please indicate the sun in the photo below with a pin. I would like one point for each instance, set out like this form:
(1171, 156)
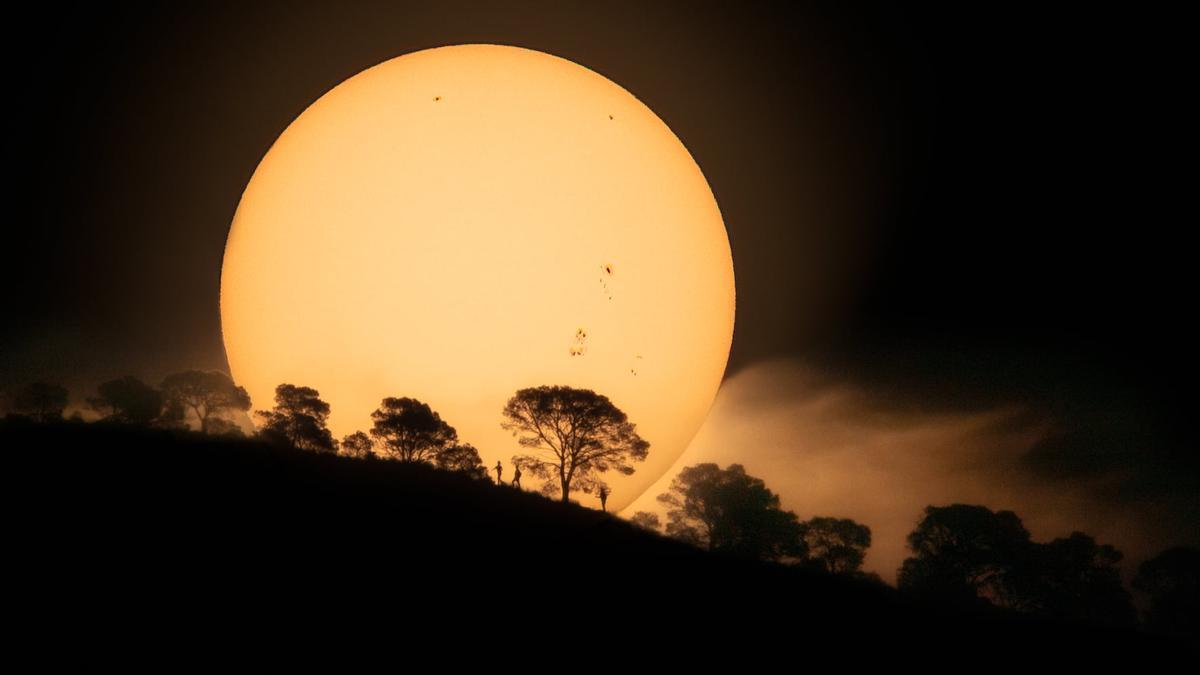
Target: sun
(459, 223)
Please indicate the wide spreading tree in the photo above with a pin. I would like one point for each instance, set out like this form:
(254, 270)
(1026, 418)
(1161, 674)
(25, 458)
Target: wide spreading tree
(206, 394)
(573, 435)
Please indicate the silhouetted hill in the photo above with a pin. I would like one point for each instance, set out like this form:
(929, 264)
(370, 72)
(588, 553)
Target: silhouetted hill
(174, 529)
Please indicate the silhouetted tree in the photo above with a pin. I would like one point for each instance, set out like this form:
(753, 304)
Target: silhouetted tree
(358, 445)
(727, 510)
(836, 545)
(964, 553)
(647, 521)
(128, 400)
(39, 401)
(298, 418)
(219, 426)
(173, 416)
(575, 434)
(205, 394)
(410, 431)
(1172, 581)
(462, 458)
(1075, 578)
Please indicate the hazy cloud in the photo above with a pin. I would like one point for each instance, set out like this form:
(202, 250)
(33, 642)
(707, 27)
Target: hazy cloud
(831, 448)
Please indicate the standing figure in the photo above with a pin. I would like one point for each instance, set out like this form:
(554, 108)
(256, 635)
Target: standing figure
(516, 476)
(499, 470)
(604, 498)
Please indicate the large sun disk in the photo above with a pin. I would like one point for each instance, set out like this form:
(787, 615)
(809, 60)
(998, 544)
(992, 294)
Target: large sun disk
(458, 223)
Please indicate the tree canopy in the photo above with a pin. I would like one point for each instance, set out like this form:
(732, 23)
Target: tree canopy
(836, 545)
(1171, 579)
(729, 511)
(573, 436)
(128, 400)
(647, 521)
(40, 401)
(1074, 577)
(966, 554)
(463, 458)
(410, 431)
(358, 445)
(299, 418)
(206, 394)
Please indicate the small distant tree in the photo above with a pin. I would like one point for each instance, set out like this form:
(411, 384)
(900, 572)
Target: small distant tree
(358, 445)
(463, 458)
(40, 401)
(730, 511)
(299, 418)
(836, 545)
(647, 521)
(219, 426)
(207, 395)
(128, 400)
(1171, 579)
(410, 431)
(574, 435)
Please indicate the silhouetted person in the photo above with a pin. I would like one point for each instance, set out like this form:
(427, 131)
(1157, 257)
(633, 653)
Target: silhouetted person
(604, 498)
(516, 477)
(499, 470)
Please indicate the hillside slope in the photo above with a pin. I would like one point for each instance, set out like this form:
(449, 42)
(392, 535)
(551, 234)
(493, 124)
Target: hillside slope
(172, 527)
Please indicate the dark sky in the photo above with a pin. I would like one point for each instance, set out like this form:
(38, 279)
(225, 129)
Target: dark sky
(953, 207)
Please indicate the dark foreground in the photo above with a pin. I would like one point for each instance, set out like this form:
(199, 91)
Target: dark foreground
(126, 537)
